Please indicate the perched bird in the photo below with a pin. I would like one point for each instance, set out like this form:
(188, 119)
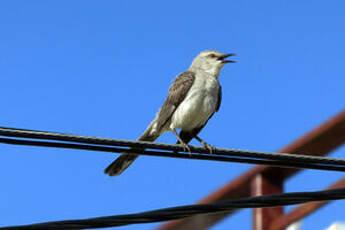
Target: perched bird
(194, 96)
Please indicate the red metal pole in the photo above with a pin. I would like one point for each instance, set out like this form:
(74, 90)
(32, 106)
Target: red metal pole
(263, 185)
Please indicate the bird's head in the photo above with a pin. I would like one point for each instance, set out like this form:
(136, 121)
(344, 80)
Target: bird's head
(211, 61)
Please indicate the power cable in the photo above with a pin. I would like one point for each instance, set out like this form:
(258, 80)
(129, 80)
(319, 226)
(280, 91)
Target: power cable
(58, 140)
(188, 210)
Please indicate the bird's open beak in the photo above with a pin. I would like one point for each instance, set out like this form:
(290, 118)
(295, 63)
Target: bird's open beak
(222, 58)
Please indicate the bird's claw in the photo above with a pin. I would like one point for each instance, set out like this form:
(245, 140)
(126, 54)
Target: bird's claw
(186, 148)
(211, 148)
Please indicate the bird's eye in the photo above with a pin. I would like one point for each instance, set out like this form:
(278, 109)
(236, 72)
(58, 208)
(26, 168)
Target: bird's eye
(212, 55)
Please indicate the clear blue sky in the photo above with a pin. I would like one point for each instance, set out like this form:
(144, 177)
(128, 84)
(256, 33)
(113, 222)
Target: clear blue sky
(103, 68)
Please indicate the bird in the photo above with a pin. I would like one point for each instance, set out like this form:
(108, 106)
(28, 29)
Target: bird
(193, 97)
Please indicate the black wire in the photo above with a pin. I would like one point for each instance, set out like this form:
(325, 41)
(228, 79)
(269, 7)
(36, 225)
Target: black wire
(218, 154)
(189, 210)
(213, 157)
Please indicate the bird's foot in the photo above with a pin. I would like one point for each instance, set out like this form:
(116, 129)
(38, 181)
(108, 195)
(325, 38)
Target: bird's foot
(186, 148)
(211, 148)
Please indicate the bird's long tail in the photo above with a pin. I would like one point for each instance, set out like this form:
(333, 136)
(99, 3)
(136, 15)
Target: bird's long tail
(125, 160)
(120, 164)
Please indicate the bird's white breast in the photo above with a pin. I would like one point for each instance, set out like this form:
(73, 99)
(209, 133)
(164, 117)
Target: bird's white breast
(199, 104)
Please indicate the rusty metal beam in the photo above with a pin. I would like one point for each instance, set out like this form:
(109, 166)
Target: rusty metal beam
(319, 141)
(302, 210)
(263, 185)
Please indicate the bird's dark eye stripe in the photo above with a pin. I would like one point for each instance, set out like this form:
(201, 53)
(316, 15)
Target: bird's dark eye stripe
(212, 55)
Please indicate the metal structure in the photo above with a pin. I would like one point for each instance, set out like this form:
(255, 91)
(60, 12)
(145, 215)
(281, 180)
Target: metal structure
(262, 180)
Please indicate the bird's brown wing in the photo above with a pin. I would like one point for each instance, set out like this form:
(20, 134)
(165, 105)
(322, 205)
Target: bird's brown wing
(187, 136)
(177, 92)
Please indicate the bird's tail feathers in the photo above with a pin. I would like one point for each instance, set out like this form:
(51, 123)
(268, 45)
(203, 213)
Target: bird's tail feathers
(120, 164)
(125, 160)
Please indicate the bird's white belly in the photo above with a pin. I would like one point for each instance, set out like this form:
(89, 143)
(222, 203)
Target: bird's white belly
(199, 104)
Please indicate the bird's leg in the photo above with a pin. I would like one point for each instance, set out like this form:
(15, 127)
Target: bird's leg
(185, 146)
(209, 147)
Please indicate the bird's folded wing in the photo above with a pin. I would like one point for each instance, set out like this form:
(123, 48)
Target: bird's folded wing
(177, 93)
